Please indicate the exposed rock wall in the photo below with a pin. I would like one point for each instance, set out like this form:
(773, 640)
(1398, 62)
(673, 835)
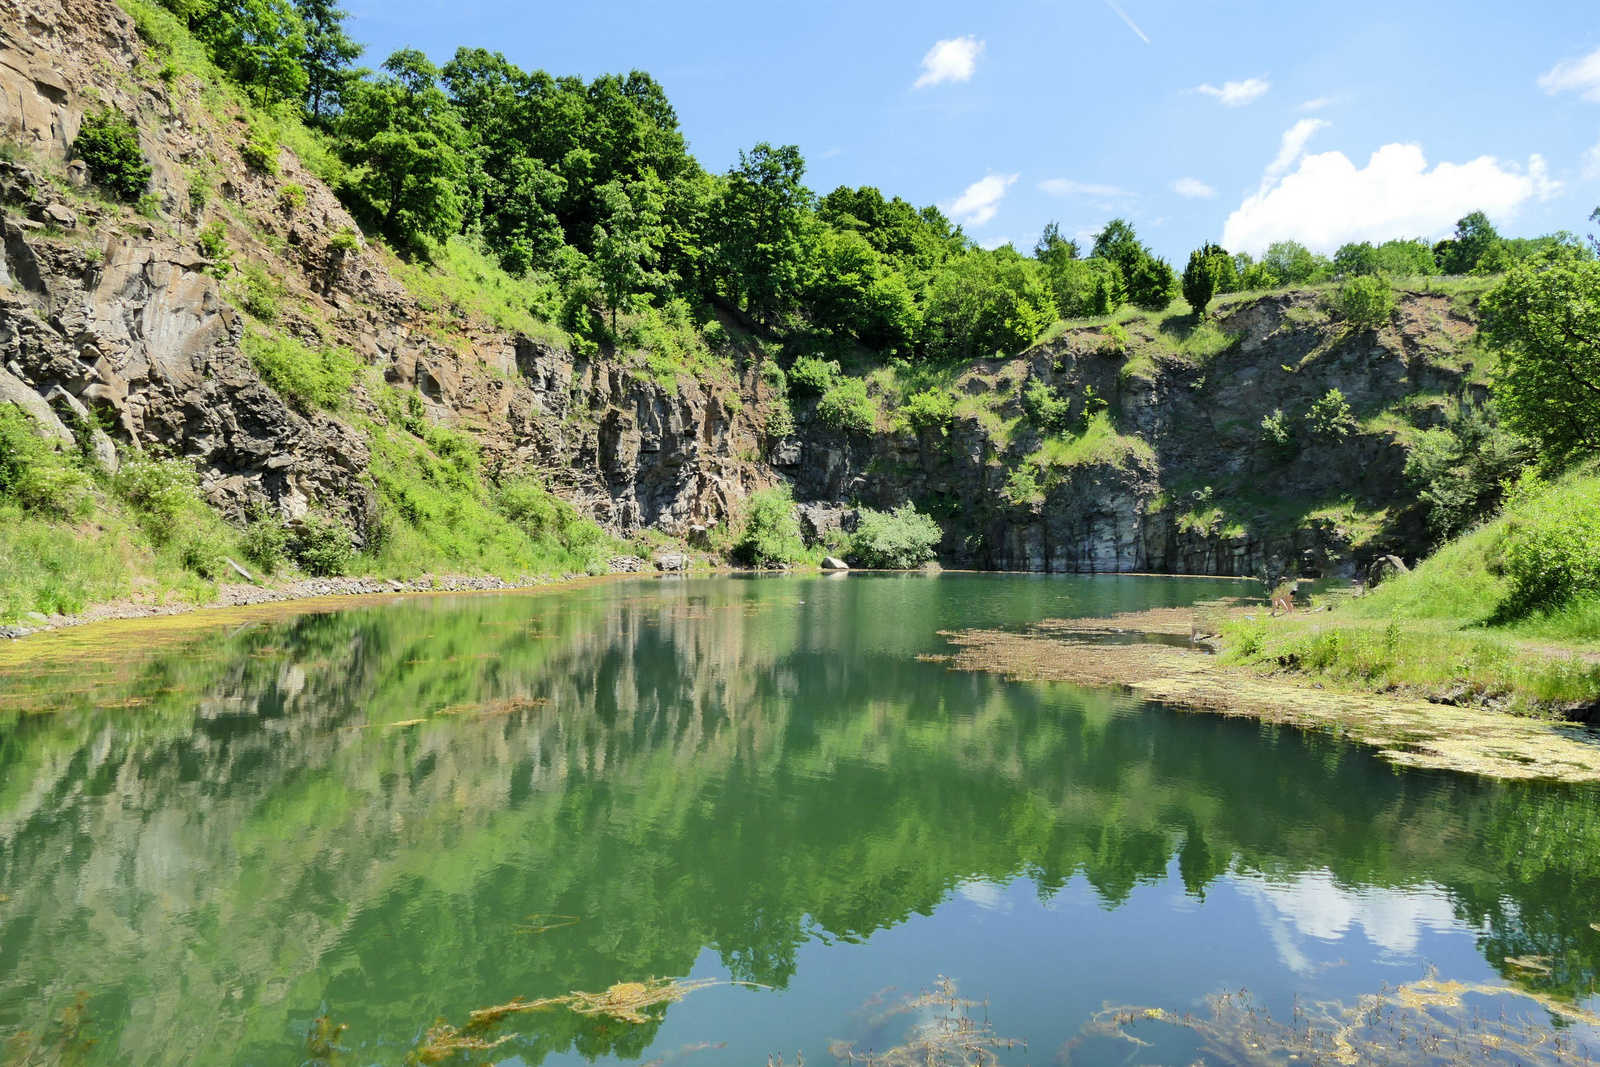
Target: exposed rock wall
(114, 318)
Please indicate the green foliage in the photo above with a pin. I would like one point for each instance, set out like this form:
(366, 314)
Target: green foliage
(1210, 271)
(986, 303)
(628, 239)
(407, 147)
(928, 409)
(36, 475)
(1330, 416)
(1543, 321)
(1366, 302)
(1392, 259)
(308, 378)
(1116, 338)
(1151, 285)
(323, 547)
(1277, 435)
(165, 499)
(261, 44)
(1475, 245)
(897, 539)
(266, 541)
(1022, 486)
(1292, 263)
(1046, 409)
(770, 536)
(762, 230)
(855, 289)
(257, 293)
(328, 54)
(108, 144)
(809, 376)
(1459, 469)
(1052, 250)
(213, 242)
(260, 149)
(846, 406)
(1551, 550)
(292, 197)
(1086, 287)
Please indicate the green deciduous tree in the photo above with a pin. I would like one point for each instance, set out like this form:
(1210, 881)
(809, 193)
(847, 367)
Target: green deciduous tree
(1152, 285)
(407, 145)
(855, 289)
(1366, 302)
(986, 302)
(626, 244)
(261, 44)
(1474, 241)
(763, 226)
(329, 51)
(1544, 322)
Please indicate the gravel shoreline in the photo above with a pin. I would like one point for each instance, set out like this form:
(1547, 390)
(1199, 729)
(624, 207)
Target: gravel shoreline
(242, 595)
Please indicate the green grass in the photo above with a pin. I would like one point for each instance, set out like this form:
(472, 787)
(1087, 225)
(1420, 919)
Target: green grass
(1445, 628)
(1099, 445)
(441, 515)
(464, 281)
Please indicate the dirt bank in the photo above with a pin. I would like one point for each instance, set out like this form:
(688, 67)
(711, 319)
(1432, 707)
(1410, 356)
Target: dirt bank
(1405, 730)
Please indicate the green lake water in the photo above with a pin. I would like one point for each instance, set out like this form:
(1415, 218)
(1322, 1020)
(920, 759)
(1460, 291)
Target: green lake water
(398, 813)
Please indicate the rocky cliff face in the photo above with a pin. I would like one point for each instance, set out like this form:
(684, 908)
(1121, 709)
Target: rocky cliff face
(1198, 489)
(114, 324)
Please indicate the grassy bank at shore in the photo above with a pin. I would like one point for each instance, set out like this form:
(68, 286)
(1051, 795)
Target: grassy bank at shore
(1506, 616)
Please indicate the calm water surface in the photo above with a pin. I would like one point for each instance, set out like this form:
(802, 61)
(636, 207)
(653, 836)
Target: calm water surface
(393, 815)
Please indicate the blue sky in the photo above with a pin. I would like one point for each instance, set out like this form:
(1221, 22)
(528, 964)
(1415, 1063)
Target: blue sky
(1242, 122)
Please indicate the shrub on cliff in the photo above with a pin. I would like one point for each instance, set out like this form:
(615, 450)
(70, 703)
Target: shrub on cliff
(848, 407)
(108, 144)
(810, 376)
(33, 473)
(771, 534)
(1366, 302)
(930, 409)
(897, 539)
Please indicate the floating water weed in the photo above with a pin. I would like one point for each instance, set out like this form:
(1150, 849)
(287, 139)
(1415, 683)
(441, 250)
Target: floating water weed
(1427, 1022)
(536, 925)
(625, 1002)
(322, 1041)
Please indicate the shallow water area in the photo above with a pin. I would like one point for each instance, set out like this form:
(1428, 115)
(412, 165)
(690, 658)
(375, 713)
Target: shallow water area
(332, 836)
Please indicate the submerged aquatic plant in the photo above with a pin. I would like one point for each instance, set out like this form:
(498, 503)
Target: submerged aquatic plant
(952, 1032)
(1426, 1022)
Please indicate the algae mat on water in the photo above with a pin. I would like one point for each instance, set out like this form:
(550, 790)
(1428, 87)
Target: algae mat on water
(1406, 731)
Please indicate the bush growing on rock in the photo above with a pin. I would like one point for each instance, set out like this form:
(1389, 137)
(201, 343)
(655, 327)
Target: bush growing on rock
(33, 473)
(771, 534)
(1046, 409)
(897, 539)
(810, 376)
(1366, 302)
(848, 407)
(323, 548)
(930, 409)
(108, 144)
(1330, 415)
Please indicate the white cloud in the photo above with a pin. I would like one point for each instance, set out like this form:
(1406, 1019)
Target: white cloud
(1326, 200)
(1232, 94)
(1581, 76)
(1068, 187)
(1193, 189)
(954, 60)
(981, 200)
(1326, 100)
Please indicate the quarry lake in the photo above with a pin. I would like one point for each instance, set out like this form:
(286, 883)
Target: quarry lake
(725, 820)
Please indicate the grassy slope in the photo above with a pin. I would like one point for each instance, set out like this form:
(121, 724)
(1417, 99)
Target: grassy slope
(1441, 628)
